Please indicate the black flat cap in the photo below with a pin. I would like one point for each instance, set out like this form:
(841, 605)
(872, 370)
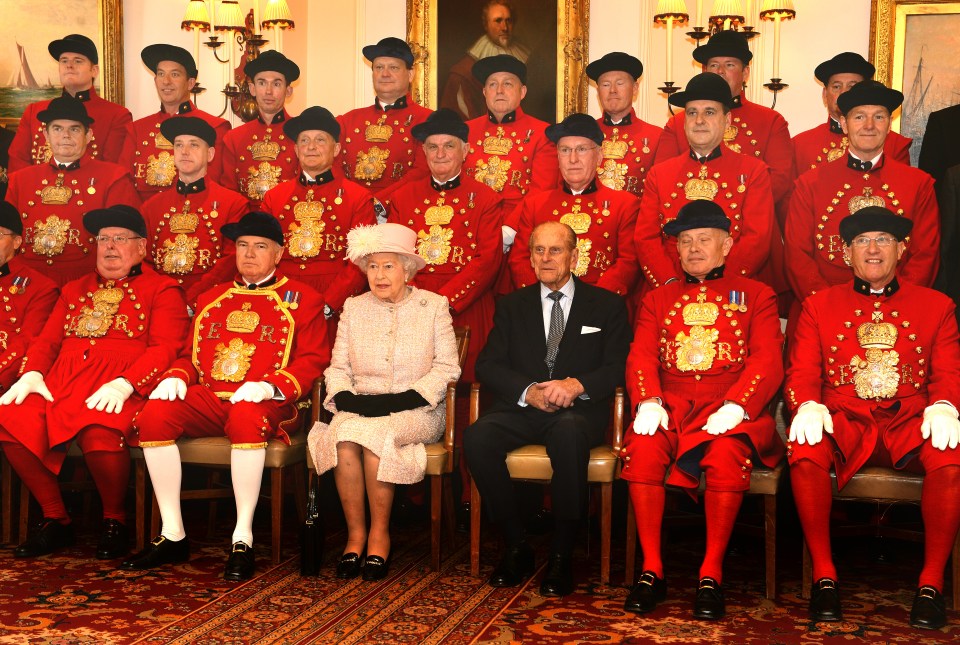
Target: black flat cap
(869, 93)
(10, 218)
(152, 55)
(257, 224)
(121, 215)
(844, 63)
(703, 87)
(699, 213)
(615, 62)
(391, 48)
(724, 43)
(172, 128)
(874, 218)
(313, 118)
(75, 44)
(576, 125)
(484, 67)
(65, 107)
(443, 121)
(273, 61)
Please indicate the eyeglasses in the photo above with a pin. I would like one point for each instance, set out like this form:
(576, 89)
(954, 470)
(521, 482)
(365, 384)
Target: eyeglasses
(566, 151)
(116, 239)
(883, 241)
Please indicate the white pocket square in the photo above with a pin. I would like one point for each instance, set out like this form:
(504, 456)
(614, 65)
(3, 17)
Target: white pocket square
(587, 329)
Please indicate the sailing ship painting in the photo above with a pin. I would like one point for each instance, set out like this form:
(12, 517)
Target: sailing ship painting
(22, 88)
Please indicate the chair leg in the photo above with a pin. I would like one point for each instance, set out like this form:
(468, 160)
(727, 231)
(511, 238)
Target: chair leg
(436, 493)
(213, 481)
(630, 574)
(6, 491)
(606, 510)
(276, 506)
(955, 567)
(770, 543)
(449, 514)
(474, 530)
(300, 489)
(140, 489)
(154, 518)
(24, 512)
(807, 572)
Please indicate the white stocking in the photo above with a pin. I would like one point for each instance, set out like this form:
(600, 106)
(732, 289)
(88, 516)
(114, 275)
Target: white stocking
(163, 463)
(246, 471)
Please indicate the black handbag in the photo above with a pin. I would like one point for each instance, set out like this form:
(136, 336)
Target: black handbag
(312, 534)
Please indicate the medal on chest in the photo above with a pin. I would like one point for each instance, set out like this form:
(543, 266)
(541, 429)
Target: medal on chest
(696, 350)
(306, 240)
(876, 375)
(434, 245)
(95, 321)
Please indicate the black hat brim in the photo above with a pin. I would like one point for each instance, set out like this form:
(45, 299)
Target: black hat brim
(875, 218)
(276, 63)
(255, 224)
(121, 216)
(191, 125)
(153, 55)
(76, 46)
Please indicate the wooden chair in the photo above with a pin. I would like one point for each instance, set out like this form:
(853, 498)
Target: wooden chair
(883, 486)
(531, 463)
(440, 459)
(6, 500)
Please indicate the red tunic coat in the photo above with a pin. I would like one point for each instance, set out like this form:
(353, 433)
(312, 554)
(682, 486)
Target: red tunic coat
(27, 297)
(822, 145)
(376, 147)
(255, 157)
(459, 236)
(110, 122)
(604, 221)
(739, 361)
(317, 244)
(149, 156)
(514, 157)
(628, 152)
(756, 131)
(827, 194)
(184, 240)
(98, 331)
(881, 396)
(52, 203)
(738, 183)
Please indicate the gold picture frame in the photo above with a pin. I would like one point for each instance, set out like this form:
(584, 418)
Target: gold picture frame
(572, 40)
(109, 42)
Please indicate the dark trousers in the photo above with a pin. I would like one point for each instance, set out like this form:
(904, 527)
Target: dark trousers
(568, 437)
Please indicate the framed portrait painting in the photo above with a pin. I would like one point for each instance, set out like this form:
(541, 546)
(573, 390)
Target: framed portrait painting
(27, 71)
(549, 36)
(913, 45)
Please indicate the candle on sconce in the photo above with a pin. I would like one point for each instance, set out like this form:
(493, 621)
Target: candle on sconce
(776, 46)
(256, 16)
(748, 16)
(669, 49)
(699, 13)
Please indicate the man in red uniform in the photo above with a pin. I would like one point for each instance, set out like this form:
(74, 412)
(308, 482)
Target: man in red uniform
(257, 156)
(79, 66)
(738, 183)
(827, 142)
(26, 295)
(603, 219)
(258, 344)
(183, 222)
(629, 144)
(865, 177)
(317, 210)
(53, 197)
(87, 374)
(377, 149)
(146, 152)
(876, 365)
(754, 130)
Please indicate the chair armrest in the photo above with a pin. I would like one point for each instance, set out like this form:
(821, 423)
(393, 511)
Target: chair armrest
(618, 409)
(451, 402)
(474, 402)
(316, 407)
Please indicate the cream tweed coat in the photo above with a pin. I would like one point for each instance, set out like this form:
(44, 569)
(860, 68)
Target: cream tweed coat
(384, 348)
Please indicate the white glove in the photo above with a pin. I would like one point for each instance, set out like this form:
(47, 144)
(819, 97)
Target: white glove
(940, 426)
(650, 415)
(253, 392)
(809, 423)
(29, 383)
(169, 389)
(726, 418)
(110, 397)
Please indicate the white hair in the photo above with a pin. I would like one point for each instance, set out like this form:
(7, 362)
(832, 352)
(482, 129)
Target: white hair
(409, 266)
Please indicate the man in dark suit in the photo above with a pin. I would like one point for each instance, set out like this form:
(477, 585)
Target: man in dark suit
(555, 355)
(941, 143)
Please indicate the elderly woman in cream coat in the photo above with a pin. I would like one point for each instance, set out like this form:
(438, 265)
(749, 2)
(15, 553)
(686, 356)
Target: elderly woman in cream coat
(394, 354)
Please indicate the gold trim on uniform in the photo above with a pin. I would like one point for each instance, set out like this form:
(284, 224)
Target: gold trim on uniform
(232, 361)
(243, 321)
(180, 254)
(265, 150)
(160, 170)
(434, 246)
(697, 351)
(371, 164)
(498, 144)
(612, 174)
(701, 187)
(378, 132)
(305, 236)
(261, 179)
(161, 142)
(839, 151)
(876, 375)
(729, 135)
(493, 172)
(56, 195)
(50, 236)
(184, 221)
(580, 223)
(96, 322)
(866, 199)
(614, 148)
(439, 214)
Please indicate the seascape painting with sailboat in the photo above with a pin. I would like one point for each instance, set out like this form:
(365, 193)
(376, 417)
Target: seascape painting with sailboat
(23, 88)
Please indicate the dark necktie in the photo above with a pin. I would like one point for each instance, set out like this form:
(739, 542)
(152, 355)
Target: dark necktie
(556, 330)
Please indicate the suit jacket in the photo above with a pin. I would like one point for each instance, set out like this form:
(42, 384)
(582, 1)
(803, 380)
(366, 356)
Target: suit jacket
(513, 357)
(941, 142)
(948, 196)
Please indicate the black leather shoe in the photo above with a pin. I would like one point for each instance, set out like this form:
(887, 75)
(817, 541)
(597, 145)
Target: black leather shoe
(50, 536)
(463, 518)
(645, 595)
(114, 540)
(515, 566)
(159, 552)
(349, 566)
(929, 609)
(558, 579)
(240, 564)
(825, 601)
(709, 604)
(375, 568)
